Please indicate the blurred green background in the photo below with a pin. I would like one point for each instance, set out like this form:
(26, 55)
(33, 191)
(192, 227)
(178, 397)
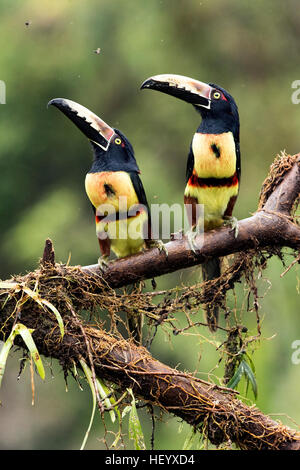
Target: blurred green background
(251, 48)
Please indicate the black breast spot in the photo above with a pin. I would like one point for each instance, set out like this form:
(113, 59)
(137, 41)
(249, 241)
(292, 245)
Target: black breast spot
(109, 190)
(216, 150)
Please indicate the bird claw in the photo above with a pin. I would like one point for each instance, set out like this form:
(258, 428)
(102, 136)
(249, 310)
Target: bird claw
(191, 235)
(160, 245)
(177, 235)
(234, 224)
(103, 263)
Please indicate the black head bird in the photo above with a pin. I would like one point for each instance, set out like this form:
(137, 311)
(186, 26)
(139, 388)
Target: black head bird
(213, 166)
(115, 190)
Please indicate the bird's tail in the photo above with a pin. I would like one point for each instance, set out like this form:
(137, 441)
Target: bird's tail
(135, 325)
(211, 269)
(135, 320)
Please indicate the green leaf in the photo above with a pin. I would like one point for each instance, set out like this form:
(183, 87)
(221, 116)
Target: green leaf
(243, 369)
(134, 426)
(35, 296)
(4, 354)
(20, 329)
(57, 314)
(126, 411)
(88, 375)
(251, 363)
(251, 377)
(236, 378)
(104, 392)
(27, 338)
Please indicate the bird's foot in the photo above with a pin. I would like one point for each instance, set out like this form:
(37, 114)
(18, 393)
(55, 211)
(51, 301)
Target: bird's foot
(191, 235)
(234, 224)
(160, 245)
(103, 263)
(177, 235)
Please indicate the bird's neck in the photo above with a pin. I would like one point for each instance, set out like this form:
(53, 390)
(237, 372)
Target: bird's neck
(101, 163)
(111, 161)
(216, 125)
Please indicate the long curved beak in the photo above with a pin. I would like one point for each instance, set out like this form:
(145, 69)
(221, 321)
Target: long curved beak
(94, 128)
(185, 88)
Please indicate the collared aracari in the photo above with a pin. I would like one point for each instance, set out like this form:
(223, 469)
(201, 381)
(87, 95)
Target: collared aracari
(115, 190)
(213, 165)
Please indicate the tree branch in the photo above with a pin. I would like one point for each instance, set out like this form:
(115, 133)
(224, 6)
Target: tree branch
(215, 411)
(212, 410)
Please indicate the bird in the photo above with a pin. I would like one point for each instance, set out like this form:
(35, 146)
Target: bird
(213, 169)
(115, 190)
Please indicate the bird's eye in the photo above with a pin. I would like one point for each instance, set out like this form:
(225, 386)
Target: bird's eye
(118, 141)
(216, 95)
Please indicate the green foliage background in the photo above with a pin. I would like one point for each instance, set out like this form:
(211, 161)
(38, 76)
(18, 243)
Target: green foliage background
(249, 47)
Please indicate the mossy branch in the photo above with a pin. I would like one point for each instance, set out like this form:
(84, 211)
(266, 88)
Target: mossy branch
(215, 411)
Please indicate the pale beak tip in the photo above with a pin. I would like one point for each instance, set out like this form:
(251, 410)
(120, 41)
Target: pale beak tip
(56, 102)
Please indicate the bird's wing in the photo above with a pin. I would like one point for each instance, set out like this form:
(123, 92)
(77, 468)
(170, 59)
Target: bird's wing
(238, 160)
(140, 192)
(190, 164)
(139, 188)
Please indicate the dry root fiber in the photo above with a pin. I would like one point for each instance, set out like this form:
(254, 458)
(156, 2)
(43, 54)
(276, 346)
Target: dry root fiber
(279, 168)
(70, 289)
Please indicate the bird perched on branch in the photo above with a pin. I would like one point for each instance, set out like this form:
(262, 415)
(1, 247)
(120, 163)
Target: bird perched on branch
(116, 192)
(213, 165)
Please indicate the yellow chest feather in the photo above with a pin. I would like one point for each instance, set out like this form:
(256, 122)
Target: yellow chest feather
(214, 155)
(113, 191)
(108, 187)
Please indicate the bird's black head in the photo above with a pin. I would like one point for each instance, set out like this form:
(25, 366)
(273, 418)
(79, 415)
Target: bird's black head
(223, 114)
(112, 150)
(217, 107)
(119, 156)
